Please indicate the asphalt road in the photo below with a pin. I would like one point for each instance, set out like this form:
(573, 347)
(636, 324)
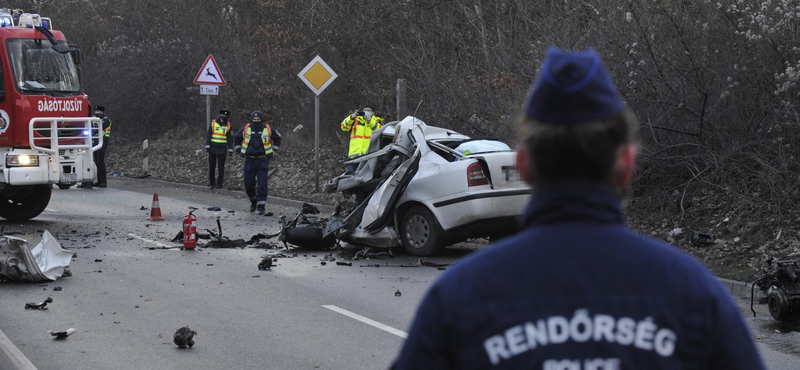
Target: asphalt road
(126, 296)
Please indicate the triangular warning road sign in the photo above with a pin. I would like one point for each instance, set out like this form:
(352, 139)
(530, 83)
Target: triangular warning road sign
(210, 74)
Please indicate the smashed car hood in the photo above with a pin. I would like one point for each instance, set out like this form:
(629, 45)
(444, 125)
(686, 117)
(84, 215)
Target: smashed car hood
(46, 261)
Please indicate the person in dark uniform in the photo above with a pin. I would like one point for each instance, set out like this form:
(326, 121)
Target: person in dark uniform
(256, 142)
(100, 154)
(218, 143)
(576, 289)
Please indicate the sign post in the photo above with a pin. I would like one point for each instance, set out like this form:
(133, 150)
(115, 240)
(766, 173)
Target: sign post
(317, 75)
(210, 79)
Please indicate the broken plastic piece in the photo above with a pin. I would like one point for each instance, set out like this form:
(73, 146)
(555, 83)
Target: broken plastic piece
(57, 289)
(61, 334)
(38, 306)
(397, 293)
(184, 337)
(217, 209)
(323, 263)
(344, 263)
(308, 209)
(702, 237)
(265, 263)
(47, 261)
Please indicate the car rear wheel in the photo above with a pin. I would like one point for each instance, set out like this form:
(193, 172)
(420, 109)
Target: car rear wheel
(64, 186)
(419, 233)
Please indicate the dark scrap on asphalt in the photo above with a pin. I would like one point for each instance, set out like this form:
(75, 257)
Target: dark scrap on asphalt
(265, 263)
(61, 334)
(184, 337)
(38, 306)
(780, 282)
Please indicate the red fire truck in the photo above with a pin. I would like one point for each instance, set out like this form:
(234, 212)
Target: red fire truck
(47, 134)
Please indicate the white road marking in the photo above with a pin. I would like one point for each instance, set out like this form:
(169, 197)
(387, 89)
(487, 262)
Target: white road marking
(367, 321)
(160, 244)
(18, 360)
(50, 210)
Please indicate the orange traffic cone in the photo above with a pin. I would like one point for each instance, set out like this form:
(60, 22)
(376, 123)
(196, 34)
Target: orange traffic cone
(155, 211)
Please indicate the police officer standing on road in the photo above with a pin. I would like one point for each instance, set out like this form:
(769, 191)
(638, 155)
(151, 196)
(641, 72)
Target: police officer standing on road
(100, 154)
(577, 289)
(360, 124)
(218, 144)
(256, 141)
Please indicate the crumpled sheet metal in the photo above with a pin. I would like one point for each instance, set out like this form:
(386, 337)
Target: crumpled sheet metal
(45, 262)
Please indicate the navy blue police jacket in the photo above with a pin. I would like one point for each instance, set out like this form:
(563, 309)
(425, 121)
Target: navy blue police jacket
(578, 290)
(256, 145)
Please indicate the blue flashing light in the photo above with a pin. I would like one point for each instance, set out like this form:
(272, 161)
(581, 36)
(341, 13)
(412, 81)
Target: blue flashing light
(5, 22)
(45, 24)
(86, 133)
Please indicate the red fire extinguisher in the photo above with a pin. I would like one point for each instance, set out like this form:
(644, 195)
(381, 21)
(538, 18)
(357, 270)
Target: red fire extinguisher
(190, 230)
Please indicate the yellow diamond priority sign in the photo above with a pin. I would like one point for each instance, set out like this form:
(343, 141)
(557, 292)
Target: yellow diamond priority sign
(317, 75)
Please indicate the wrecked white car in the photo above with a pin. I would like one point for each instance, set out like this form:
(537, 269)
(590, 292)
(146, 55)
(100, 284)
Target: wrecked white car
(425, 187)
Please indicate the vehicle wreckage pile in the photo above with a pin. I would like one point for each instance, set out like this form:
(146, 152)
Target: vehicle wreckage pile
(780, 282)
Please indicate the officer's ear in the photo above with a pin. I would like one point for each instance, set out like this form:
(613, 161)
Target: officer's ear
(523, 165)
(623, 166)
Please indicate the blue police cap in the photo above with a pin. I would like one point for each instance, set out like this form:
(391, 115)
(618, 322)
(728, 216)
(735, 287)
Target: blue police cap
(572, 87)
(257, 113)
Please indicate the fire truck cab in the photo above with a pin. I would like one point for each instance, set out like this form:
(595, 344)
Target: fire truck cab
(47, 132)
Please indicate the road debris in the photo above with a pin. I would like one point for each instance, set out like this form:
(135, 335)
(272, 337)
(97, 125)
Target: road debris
(397, 293)
(62, 334)
(38, 306)
(306, 231)
(367, 253)
(344, 263)
(143, 208)
(98, 260)
(57, 289)
(308, 209)
(47, 261)
(702, 238)
(215, 209)
(184, 337)
(323, 263)
(265, 263)
(780, 282)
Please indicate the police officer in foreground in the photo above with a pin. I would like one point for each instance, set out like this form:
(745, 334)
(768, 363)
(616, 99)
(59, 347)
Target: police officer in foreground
(577, 289)
(219, 142)
(100, 154)
(256, 142)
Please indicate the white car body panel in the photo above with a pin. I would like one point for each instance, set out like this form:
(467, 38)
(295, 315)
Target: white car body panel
(441, 185)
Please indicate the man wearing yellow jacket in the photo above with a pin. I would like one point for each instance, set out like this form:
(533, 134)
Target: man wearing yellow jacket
(360, 124)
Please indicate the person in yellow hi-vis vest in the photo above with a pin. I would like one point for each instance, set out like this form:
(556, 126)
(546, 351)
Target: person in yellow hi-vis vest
(360, 124)
(219, 141)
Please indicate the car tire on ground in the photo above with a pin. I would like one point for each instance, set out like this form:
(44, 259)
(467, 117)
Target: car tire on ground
(309, 237)
(26, 204)
(419, 232)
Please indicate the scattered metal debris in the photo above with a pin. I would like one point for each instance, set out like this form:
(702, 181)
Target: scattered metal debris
(702, 238)
(306, 231)
(780, 283)
(62, 334)
(265, 263)
(38, 306)
(307, 209)
(46, 262)
(367, 253)
(184, 337)
(344, 263)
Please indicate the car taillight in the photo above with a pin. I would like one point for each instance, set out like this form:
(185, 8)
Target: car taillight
(475, 175)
